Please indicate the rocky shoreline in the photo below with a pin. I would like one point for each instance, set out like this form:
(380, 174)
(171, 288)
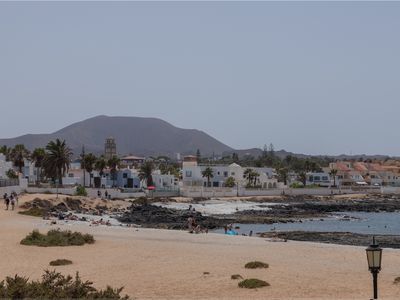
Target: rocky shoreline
(285, 210)
(341, 238)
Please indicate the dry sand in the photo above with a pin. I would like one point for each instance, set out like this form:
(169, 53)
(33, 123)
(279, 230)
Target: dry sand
(159, 264)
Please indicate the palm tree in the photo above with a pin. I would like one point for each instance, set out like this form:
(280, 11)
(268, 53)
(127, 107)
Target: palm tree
(283, 175)
(333, 173)
(6, 151)
(303, 178)
(145, 173)
(89, 161)
(114, 163)
(100, 165)
(57, 159)
(208, 173)
(248, 175)
(38, 155)
(18, 155)
(255, 176)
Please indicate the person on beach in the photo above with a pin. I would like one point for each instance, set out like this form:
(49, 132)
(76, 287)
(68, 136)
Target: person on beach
(191, 223)
(7, 201)
(98, 194)
(106, 194)
(12, 203)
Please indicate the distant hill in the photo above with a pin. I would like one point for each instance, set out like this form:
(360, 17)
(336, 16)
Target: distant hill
(133, 135)
(256, 152)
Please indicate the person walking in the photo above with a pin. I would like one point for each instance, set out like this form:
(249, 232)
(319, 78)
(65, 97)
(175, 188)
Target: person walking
(7, 201)
(12, 200)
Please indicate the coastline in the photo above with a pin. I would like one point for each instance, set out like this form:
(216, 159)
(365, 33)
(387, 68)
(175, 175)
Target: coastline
(170, 264)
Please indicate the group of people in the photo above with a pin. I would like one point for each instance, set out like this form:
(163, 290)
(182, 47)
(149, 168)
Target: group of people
(229, 230)
(10, 199)
(106, 195)
(194, 227)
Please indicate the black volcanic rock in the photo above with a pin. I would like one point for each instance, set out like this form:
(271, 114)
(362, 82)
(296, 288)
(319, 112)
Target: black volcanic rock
(148, 215)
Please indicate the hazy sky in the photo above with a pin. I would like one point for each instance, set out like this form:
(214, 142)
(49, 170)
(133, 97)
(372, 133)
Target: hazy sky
(316, 77)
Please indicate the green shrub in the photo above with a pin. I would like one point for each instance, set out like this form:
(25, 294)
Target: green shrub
(55, 286)
(81, 191)
(34, 212)
(256, 265)
(60, 262)
(297, 185)
(230, 182)
(253, 283)
(236, 277)
(11, 174)
(57, 238)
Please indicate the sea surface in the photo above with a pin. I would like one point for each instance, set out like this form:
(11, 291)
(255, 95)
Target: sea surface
(356, 222)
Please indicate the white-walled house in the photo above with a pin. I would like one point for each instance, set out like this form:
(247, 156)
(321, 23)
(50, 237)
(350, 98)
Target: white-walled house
(4, 166)
(192, 175)
(322, 179)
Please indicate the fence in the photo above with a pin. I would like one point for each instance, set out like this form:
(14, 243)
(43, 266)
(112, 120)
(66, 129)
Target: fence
(9, 182)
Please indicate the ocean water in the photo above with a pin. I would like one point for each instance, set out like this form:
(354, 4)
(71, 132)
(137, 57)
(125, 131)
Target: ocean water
(356, 222)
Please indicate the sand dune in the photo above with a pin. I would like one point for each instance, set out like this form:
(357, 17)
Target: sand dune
(159, 264)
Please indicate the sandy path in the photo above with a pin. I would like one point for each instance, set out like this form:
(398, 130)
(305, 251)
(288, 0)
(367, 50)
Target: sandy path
(157, 264)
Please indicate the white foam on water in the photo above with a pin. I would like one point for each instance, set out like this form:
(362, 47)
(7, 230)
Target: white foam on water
(218, 207)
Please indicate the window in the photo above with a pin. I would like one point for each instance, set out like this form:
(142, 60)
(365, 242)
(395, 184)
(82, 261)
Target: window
(324, 178)
(188, 173)
(218, 173)
(71, 175)
(317, 178)
(233, 173)
(225, 174)
(125, 175)
(215, 184)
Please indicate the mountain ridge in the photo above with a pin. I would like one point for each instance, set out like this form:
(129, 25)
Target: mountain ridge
(139, 135)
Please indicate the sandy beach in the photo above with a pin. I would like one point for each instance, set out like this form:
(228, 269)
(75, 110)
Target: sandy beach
(166, 264)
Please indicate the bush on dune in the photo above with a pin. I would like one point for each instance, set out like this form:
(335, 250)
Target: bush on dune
(55, 286)
(34, 212)
(253, 283)
(60, 262)
(256, 265)
(57, 238)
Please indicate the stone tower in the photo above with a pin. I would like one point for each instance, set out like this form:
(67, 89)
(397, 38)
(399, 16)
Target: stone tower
(110, 148)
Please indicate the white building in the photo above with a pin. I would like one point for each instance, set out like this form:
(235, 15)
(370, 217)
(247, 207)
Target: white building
(192, 175)
(4, 166)
(319, 178)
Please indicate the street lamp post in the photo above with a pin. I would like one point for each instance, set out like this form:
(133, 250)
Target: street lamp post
(374, 257)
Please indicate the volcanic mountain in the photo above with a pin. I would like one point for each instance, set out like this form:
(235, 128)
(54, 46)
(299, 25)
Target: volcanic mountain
(133, 135)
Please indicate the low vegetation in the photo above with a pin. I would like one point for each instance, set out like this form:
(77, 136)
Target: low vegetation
(61, 262)
(55, 286)
(81, 191)
(256, 265)
(34, 212)
(253, 283)
(57, 238)
(236, 277)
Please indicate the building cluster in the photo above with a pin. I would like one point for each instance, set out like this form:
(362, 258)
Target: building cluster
(192, 174)
(364, 173)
